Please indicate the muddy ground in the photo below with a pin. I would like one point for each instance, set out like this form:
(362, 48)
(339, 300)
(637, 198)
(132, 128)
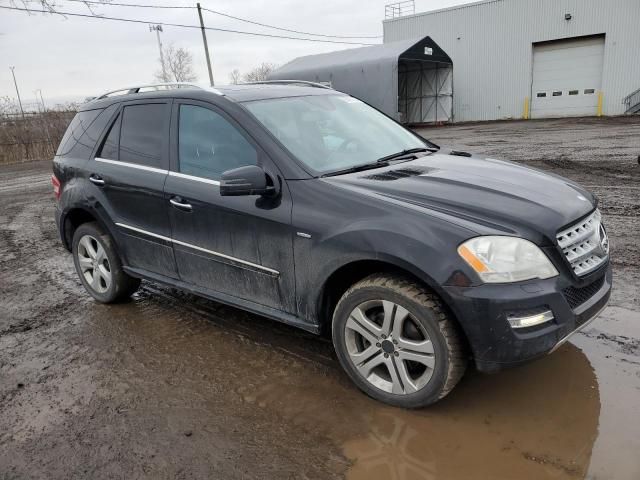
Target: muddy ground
(173, 386)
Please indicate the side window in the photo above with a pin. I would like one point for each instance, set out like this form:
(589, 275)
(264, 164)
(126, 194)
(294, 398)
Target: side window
(109, 149)
(76, 129)
(209, 145)
(143, 133)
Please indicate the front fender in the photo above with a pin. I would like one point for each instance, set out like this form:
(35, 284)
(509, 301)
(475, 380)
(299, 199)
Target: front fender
(427, 254)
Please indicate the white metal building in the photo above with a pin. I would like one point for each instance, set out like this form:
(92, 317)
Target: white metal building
(534, 58)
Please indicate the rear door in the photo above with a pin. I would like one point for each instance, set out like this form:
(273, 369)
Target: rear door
(129, 171)
(236, 246)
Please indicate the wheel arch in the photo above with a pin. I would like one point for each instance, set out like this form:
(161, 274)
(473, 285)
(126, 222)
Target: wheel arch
(350, 273)
(76, 216)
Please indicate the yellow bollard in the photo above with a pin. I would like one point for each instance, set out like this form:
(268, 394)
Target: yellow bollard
(600, 102)
(525, 115)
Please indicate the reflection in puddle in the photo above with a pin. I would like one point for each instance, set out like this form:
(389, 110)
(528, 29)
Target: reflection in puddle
(390, 451)
(537, 421)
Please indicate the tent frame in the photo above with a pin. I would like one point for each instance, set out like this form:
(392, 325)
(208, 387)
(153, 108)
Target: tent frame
(405, 68)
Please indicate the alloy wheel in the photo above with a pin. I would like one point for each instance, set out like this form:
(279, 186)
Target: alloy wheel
(389, 347)
(94, 264)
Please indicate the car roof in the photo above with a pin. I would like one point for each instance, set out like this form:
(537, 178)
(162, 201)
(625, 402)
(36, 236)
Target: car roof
(235, 93)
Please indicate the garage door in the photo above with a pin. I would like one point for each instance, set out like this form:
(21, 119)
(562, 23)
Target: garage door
(567, 76)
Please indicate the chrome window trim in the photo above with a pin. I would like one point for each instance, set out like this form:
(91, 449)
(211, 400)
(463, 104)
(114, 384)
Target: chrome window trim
(271, 271)
(194, 178)
(132, 165)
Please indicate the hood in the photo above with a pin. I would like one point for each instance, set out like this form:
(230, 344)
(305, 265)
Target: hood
(493, 194)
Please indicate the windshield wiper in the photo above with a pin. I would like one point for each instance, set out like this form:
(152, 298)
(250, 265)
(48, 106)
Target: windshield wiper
(357, 168)
(404, 153)
(382, 162)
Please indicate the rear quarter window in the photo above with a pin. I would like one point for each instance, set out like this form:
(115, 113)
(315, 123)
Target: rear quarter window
(83, 133)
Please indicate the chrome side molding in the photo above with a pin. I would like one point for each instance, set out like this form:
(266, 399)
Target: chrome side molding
(268, 270)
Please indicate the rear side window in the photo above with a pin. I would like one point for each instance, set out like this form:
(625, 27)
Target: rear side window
(109, 149)
(76, 130)
(209, 145)
(143, 133)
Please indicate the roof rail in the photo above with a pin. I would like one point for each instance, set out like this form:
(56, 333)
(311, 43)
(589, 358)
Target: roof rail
(152, 87)
(292, 82)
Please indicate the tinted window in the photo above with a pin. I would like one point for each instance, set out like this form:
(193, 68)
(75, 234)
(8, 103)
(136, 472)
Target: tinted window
(109, 148)
(209, 145)
(143, 132)
(76, 129)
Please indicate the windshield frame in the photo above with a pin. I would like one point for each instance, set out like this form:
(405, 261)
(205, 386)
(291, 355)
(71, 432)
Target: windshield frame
(308, 168)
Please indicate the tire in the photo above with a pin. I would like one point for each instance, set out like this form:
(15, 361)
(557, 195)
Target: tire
(98, 265)
(419, 359)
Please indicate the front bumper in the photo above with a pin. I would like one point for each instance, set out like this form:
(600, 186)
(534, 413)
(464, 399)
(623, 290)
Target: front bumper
(482, 312)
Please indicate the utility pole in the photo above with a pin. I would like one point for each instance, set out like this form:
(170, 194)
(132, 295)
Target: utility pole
(43, 118)
(44, 108)
(17, 91)
(158, 29)
(206, 47)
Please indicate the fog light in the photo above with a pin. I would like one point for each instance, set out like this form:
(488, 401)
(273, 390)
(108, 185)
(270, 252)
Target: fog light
(530, 320)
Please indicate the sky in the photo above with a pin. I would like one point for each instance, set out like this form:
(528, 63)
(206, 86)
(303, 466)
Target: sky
(72, 58)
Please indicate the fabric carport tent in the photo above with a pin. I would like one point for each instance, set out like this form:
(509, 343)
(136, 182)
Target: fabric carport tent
(410, 80)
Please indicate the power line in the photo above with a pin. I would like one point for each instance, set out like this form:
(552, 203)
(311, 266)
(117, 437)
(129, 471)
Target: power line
(116, 4)
(136, 5)
(179, 25)
(286, 29)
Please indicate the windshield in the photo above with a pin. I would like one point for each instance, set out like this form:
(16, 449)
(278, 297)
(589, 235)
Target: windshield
(332, 132)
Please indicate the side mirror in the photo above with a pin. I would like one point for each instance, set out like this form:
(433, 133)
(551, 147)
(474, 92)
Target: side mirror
(249, 180)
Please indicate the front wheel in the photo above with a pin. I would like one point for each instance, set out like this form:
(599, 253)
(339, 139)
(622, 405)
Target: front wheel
(99, 266)
(396, 342)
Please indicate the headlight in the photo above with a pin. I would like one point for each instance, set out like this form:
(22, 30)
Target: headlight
(506, 259)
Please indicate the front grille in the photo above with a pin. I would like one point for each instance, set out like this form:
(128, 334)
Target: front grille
(585, 244)
(577, 296)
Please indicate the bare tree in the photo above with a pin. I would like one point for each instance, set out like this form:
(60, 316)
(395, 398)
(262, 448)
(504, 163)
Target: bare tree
(234, 76)
(51, 6)
(34, 137)
(179, 66)
(259, 73)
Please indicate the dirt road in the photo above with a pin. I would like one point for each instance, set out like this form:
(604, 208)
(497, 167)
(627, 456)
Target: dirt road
(173, 386)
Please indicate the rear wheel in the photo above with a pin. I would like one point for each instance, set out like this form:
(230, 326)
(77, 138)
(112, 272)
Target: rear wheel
(396, 342)
(99, 266)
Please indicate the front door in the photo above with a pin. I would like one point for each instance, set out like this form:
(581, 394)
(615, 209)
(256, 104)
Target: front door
(129, 171)
(236, 246)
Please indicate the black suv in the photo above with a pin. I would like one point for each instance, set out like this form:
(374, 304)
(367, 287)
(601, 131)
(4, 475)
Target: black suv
(307, 206)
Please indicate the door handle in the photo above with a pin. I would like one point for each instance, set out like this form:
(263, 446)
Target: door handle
(179, 203)
(96, 180)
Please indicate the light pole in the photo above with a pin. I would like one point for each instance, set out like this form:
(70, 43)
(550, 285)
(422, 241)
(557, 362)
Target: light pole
(17, 91)
(158, 29)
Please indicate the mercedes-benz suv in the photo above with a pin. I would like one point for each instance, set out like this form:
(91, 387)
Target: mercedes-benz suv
(307, 206)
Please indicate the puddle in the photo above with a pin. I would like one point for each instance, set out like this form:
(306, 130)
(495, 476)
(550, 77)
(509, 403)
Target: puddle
(538, 421)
